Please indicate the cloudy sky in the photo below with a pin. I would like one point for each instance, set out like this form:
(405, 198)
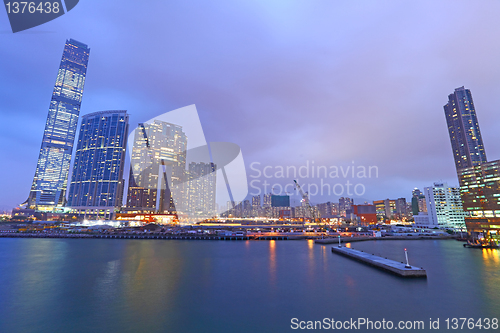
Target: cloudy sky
(332, 82)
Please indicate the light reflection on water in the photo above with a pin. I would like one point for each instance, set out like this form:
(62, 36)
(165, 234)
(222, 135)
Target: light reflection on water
(216, 286)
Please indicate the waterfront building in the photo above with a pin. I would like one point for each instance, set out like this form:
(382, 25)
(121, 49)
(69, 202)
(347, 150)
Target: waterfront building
(96, 187)
(478, 179)
(280, 200)
(256, 201)
(335, 208)
(380, 209)
(48, 190)
(421, 220)
(480, 192)
(256, 207)
(247, 209)
(267, 200)
(303, 211)
(463, 128)
(345, 205)
(386, 209)
(365, 214)
(422, 204)
(325, 209)
(416, 203)
(401, 208)
(444, 206)
(201, 190)
(158, 168)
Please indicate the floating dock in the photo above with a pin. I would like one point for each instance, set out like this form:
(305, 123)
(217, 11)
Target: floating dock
(385, 264)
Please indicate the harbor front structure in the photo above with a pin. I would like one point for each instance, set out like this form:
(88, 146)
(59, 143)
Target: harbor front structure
(96, 187)
(480, 192)
(201, 190)
(50, 180)
(157, 168)
(479, 180)
(463, 128)
(444, 206)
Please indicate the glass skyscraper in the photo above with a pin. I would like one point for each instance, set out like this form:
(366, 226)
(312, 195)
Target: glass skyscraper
(97, 178)
(158, 161)
(479, 180)
(50, 180)
(463, 127)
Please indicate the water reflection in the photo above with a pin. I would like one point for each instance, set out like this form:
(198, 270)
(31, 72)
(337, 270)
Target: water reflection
(197, 286)
(272, 261)
(491, 257)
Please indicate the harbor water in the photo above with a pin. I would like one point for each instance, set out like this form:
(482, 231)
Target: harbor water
(108, 285)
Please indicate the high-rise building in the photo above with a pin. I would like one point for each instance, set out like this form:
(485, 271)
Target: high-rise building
(444, 206)
(48, 189)
(325, 209)
(480, 192)
(335, 208)
(96, 187)
(158, 168)
(256, 200)
(401, 208)
(416, 195)
(345, 206)
(280, 200)
(380, 209)
(267, 200)
(463, 128)
(479, 179)
(201, 190)
(256, 207)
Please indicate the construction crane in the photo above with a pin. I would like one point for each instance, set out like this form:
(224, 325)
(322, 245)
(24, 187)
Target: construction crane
(306, 200)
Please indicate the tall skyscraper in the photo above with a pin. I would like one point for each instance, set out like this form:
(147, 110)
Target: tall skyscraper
(479, 180)
(158, 161)
(96, 186)
(463, 128)
(51, 175)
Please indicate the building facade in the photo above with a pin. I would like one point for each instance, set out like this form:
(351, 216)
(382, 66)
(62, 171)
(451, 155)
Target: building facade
(463, 128)
(345, 206)
(365, 214)
(480, 192)
(48, 189)
(280, 200)
(201, 190)
(444, 206)
(96, 187)
(158, 168)
(479, 179)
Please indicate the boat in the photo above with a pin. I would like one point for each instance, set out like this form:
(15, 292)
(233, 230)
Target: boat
(478, 245)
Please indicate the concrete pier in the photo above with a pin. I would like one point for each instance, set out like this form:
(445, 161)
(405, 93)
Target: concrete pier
(388, 265)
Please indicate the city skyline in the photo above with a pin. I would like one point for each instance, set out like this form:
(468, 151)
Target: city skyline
(283, 100)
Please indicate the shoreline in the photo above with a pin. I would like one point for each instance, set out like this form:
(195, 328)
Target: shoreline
(345, 240)
(317, 239)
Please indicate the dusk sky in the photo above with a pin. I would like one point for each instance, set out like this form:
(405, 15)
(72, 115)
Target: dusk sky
(290, 82)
